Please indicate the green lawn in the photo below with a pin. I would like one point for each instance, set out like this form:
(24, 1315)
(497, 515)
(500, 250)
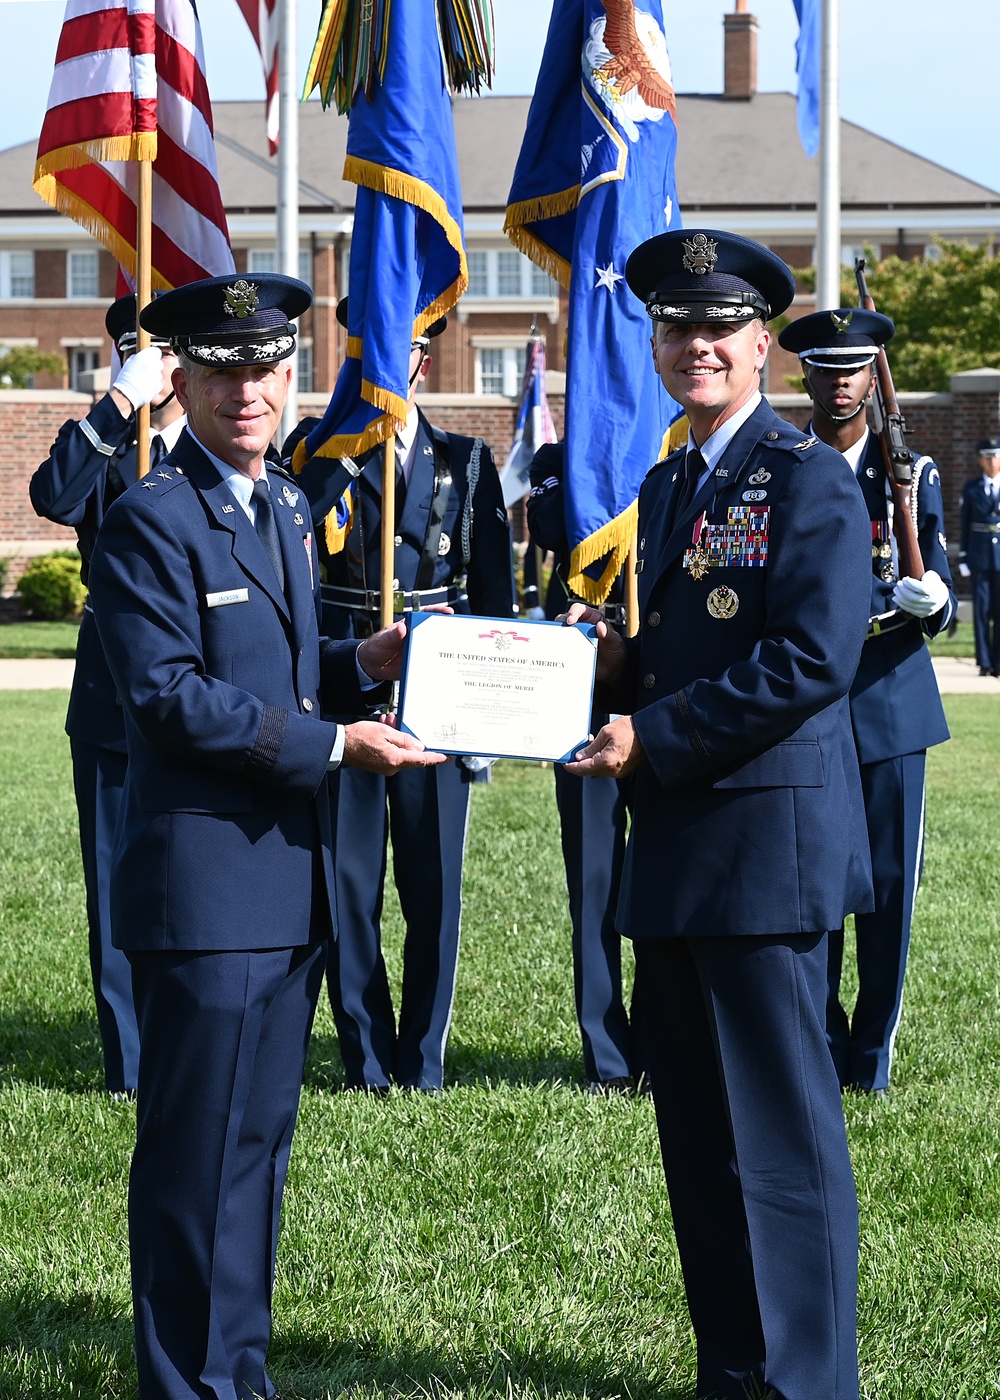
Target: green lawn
(962, 643)
(510, 1239)
(38, 639)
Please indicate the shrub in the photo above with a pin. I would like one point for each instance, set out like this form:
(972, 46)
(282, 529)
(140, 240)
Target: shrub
(50, 586)
(4, 571)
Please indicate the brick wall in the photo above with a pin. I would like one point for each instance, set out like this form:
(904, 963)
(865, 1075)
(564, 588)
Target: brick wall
(945, 426)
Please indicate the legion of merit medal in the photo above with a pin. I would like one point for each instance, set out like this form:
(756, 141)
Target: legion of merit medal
(696, 558)
(722, 603)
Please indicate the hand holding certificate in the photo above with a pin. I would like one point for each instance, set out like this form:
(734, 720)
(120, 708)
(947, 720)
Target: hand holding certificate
(497, 687)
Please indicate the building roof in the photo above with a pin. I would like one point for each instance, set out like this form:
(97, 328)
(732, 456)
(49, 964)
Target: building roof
(713, 168)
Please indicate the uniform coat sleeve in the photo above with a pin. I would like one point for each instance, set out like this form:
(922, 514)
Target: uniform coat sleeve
(490, 571)
(74, 468)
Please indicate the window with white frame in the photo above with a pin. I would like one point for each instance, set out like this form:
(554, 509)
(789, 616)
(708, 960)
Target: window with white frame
(500, 370)
(506, 273)
(82, 359)
(266, 260)
(17, 275)
(83, 274)
(304, 367)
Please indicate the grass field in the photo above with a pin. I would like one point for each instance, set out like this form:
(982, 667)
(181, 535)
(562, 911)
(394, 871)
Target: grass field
(511, 1238)
(38, 639)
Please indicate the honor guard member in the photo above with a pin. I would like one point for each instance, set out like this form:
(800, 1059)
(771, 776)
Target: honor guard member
(979, 553)
(592, 822)
(90, 464)
(896, 709)
(206, 590)
(747, 842)
(452, 546)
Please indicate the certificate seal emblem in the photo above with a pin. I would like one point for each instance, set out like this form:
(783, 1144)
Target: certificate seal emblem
(722, 603)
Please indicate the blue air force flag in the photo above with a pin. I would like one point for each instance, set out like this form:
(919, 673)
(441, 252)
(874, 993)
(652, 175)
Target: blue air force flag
(407, 264)
(807, 49)
(534, 425)
(594, 179)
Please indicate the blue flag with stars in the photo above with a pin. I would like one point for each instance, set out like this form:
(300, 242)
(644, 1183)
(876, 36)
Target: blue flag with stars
(595, 178)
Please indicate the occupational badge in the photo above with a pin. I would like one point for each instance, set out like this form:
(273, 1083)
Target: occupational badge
(701, 253)
(298, 519)
(722, 603)
(759, 477)
(292, 497)
(444, 544)
(754, 496)
(240, 300)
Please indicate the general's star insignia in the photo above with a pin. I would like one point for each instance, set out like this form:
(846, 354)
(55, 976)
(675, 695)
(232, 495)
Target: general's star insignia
(607, 277)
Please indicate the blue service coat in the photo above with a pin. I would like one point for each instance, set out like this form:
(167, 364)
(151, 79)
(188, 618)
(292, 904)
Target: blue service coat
(225, 835)
(749, 804)
(979, 543)
(75, 486)
(895, 703)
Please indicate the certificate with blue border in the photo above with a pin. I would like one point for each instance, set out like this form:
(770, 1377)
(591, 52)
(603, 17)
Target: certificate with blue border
(498, 688)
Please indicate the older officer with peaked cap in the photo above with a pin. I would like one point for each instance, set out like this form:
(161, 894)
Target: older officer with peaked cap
(747, 842)
(452, 547)
(896, 709)
(206, 593)
(90, 464)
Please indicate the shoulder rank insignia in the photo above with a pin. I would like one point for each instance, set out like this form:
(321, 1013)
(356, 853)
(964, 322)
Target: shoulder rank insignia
(165, 475)
(806, 442)
(148, 485)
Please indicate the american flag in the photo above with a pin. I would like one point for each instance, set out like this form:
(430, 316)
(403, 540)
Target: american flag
(262, 17)
(129, 83)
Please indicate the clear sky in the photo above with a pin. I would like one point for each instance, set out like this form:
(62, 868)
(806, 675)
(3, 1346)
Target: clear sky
(918, 72)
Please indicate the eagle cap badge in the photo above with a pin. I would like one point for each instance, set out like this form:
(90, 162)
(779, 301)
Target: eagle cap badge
(841, 323)
(240, 299)
(700, 254)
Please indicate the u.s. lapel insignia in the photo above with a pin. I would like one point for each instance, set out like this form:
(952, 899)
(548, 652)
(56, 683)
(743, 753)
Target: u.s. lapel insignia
(292, 497)
(722, 603)
(444, 544)
(759, 477)
(299, 519)
(228, 510)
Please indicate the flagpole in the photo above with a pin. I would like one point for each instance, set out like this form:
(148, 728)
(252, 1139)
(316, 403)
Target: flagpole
(828, 210)
(143, 295)
(388, 538)
(631, 589)
(288, 180)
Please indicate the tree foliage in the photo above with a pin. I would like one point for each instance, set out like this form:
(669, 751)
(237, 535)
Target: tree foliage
(946, 311)
(20, 363)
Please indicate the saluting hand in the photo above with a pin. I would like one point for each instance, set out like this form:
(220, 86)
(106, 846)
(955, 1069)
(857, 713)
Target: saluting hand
(610, 646)
(377, 747)
(614, 753)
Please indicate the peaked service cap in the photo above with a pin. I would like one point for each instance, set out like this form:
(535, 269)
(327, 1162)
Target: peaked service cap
(702, 275)
(231, 320)
(848, 338)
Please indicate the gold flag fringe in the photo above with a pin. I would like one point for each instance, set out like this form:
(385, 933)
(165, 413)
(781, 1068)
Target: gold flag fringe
(336, 535)
(84, 214)
(675, 436)
(611, 540)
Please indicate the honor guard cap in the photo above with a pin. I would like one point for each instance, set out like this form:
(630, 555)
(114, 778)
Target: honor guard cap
(230, 320)
(703, 275)
(848, 338)
(435, 327)
(120, 325)
(988, 447)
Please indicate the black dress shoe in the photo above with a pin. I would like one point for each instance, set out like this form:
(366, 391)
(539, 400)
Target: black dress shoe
(604, 1088)
(985, 671)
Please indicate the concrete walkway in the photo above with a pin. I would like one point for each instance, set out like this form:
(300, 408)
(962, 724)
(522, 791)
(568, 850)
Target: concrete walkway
(956, 676)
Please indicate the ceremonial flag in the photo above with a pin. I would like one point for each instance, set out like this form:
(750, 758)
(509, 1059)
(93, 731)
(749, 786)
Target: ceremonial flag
(594, 178)
(262, 17)
(534, 425)
(807, 49)
(407, 266)
(129, 85)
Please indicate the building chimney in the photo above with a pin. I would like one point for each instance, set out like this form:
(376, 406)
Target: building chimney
(741, 53)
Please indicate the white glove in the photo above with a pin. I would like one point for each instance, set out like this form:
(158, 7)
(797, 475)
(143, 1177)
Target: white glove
(475, 764)
(964, 571)
(921, 597)
(535, 614)
(141, 377)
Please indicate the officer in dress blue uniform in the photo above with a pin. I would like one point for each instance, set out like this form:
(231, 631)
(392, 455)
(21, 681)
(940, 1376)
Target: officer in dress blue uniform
(895, 705)
(747, 841)
(452, 546)
(592, 819)
(206, 592)
(979, 553)
(90, 464)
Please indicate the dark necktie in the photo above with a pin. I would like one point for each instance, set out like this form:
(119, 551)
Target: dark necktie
(157, 451)
(694, 465)
(266, 528)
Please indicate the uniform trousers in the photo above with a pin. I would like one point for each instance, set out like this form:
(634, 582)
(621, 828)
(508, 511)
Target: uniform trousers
(986, 617)
(756, 1161)
(593, 818)
(98, 780)
(425, 813)
(224, 1038)
(862, 1045)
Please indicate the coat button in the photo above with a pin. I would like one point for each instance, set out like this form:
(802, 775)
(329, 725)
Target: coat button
(772, 437)
(653, 619)
(307, 705)
(642, 542)
(649, 681)
(398, 541)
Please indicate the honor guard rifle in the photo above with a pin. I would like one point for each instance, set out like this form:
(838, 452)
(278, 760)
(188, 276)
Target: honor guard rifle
(898, 458)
